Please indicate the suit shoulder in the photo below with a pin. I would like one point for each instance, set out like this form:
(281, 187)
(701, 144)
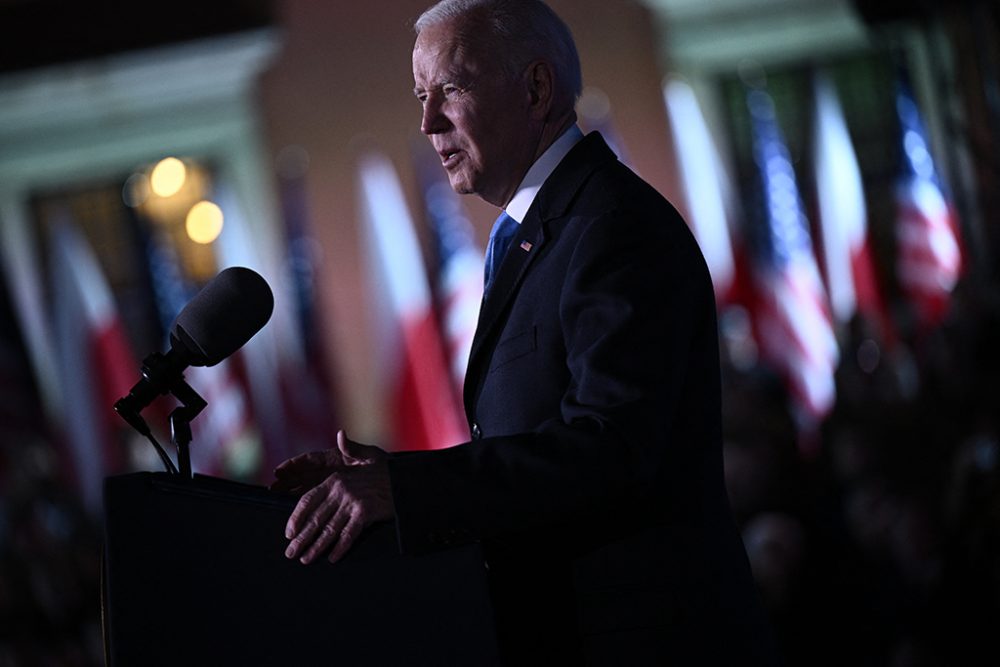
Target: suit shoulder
(616, 187)
(615, 192)
(615, 210)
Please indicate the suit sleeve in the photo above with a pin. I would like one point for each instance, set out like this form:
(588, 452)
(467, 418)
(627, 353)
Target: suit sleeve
(636, 312)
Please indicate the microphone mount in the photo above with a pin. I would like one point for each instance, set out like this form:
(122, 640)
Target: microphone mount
(180, 423)
(164, 371)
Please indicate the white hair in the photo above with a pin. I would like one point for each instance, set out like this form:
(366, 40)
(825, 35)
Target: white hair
(521, 31)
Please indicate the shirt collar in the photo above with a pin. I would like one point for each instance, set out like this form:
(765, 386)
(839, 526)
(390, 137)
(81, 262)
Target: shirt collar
(539, 171)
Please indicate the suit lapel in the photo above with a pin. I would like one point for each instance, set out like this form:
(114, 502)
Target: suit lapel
(553, 200)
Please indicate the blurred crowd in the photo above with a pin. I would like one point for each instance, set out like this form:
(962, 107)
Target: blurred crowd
(50, 555)
(882, 546)
(876, 544)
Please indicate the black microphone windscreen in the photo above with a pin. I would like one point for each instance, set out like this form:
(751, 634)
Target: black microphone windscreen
(223, 316)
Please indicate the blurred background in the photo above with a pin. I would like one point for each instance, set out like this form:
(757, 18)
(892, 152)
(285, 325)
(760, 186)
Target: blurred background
(836, 159)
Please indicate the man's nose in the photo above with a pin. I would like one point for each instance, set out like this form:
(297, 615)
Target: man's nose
(433, 119)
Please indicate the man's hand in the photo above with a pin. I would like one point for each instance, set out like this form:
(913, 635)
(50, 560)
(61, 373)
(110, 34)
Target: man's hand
(303, 472)
(350, 491)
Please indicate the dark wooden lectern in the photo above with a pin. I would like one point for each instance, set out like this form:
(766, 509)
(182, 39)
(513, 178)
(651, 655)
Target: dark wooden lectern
(195, 574)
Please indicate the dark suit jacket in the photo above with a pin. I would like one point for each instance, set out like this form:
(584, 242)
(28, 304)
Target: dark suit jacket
(594, 478)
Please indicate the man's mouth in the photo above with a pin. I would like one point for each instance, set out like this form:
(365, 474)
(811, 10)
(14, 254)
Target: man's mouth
(449, 157)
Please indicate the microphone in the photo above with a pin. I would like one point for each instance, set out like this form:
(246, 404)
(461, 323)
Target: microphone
(220, 319)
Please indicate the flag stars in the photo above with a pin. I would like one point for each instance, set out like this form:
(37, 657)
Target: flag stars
(917, 153)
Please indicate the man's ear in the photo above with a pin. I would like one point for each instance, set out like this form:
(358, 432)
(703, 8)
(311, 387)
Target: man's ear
(541, 84)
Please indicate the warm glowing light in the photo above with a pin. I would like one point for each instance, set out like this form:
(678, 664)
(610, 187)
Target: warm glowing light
(204, 222)
(168, 177)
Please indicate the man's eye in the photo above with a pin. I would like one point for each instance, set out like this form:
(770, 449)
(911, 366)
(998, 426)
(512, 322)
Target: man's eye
(450, 90)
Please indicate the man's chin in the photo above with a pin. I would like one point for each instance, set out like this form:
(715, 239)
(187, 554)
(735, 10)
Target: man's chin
(460, 184)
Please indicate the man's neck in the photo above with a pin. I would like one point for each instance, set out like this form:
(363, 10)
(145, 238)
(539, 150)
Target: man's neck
(553, 131)
(539, 172)
(550, 132)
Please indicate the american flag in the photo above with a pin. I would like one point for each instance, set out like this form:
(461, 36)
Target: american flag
(929, 260)
(311, 417)
(791, 313)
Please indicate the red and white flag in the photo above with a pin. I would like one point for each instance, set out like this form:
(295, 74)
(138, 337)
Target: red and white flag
(414, 375)
(458, 288)
(96, 363)
(843, 215)
(706, 185)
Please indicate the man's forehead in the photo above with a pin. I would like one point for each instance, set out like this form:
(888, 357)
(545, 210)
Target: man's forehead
(449, 56)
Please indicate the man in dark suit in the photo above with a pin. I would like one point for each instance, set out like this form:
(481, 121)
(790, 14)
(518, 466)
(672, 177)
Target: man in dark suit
(594, 475)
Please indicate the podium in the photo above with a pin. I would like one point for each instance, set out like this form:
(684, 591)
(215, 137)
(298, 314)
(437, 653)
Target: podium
(194, 573)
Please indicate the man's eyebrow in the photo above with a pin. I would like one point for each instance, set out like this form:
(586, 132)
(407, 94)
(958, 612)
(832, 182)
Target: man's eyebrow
(417, 90)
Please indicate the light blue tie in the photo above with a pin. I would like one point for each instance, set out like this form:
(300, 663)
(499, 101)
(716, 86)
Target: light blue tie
(503, 232)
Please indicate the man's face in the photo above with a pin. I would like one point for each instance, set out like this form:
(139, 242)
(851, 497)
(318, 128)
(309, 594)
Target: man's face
(477, 120)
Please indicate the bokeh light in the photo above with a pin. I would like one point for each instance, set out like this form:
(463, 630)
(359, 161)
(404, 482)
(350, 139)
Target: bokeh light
(135, 192)
(168, 177)
(204, 222)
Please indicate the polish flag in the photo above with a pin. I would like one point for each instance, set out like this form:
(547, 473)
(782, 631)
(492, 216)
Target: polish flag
(458, 288)
(843, 216)
(706, 186)
(420, 400)
(95, 361)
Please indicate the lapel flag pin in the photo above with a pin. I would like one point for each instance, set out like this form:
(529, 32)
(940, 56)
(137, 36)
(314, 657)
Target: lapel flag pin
(525, 246)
